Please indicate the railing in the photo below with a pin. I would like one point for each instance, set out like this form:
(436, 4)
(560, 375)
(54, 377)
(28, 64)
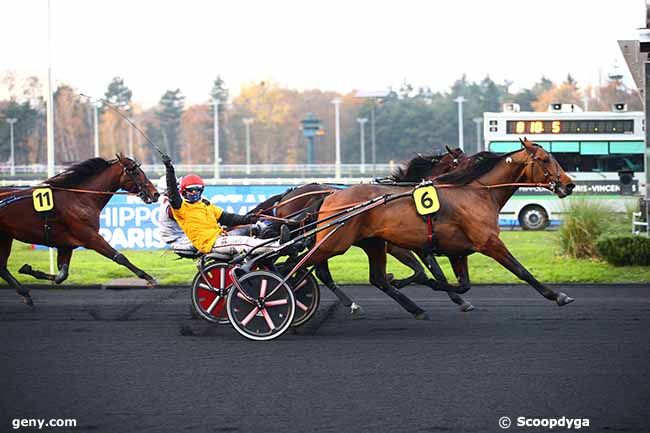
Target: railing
(226, 171)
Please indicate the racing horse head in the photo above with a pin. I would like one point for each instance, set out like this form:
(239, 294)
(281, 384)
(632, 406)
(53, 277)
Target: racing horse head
(428, 166)
(135, 181)
(543, 168)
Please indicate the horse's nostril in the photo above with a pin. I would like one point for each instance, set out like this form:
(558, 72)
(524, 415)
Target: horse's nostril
(570, 187)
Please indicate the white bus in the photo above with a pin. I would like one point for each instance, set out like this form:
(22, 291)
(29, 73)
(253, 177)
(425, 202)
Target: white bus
(602, 151)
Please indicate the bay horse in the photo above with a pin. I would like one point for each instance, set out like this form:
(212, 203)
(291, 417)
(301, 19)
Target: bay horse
(79, 194)
(467, 222)
(299, 201)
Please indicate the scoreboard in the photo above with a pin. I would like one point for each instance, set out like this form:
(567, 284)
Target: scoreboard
(573, 126)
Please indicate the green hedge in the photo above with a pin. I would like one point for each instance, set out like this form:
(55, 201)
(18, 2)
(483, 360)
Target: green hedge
(625, 250)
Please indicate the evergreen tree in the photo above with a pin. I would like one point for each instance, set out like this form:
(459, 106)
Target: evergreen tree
(169, 115)
(118, 94)
(26, 121)
(221, 93)
(219, 90)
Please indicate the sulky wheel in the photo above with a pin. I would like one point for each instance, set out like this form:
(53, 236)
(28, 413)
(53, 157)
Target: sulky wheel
(307, 296)
(211, 304)
(259, 306)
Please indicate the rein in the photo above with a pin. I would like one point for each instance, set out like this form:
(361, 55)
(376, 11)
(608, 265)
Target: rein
(451, 185)
(282, 203)
(86, 191)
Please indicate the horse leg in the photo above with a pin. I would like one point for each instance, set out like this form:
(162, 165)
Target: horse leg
(497, 250)
(5, 250)
(407, 258)
(323, 273)
(375, 249)
(434, 268)
(97, 243)
(63, 263)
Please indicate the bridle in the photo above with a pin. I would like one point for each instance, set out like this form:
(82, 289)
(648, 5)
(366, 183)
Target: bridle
(132, 173)
(553, 182)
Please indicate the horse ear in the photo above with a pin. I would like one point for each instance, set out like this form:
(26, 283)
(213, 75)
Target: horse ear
(528, 144)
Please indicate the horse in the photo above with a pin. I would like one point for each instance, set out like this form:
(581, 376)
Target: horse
(306, 199)
(467, 222)
(78, 195)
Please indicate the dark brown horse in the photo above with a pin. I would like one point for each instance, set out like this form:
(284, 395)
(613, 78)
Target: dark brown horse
(296, 203)
(466, 223)
(74, 220)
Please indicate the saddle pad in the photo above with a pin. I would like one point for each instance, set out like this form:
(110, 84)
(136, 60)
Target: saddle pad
(426, 200)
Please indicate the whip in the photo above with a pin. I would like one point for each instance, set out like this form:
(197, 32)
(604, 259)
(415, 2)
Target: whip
(116, 110)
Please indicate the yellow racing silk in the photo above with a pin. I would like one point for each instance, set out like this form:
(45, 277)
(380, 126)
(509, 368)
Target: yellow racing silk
(199, 222)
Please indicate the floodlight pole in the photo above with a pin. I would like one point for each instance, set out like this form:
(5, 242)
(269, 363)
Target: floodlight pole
(362, 137)
(644, 48)
(460, 101)
(50, 111)
(247, 122)
(131, 142)
(479, 122)
(215, 105)
(372, 139)
(337, 137)
(96, 131)
(12, 161)
(646, 167)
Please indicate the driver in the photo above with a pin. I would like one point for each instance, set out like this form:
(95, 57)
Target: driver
(202, 221)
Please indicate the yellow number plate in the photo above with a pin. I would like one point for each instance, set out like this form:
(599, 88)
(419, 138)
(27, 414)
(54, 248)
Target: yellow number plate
(426, 200)
(43, 199)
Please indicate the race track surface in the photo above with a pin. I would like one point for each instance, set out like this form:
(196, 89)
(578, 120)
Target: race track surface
(134, 361)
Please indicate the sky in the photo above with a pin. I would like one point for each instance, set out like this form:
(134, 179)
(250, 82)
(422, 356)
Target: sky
(331, 45)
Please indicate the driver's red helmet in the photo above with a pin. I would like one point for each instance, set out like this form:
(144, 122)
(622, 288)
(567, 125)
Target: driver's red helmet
(192, 188)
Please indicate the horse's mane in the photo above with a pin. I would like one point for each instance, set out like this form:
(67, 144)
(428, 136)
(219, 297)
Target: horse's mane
(76, 174)
(416, 169)
(480, 164)
(269, 202)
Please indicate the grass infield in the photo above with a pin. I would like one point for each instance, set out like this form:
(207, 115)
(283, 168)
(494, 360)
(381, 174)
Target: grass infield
(537, 251)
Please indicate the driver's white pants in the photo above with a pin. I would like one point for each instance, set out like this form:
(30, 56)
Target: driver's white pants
(232, 245)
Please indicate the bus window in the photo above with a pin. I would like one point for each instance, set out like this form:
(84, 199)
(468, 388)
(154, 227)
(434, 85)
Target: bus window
(573, 162)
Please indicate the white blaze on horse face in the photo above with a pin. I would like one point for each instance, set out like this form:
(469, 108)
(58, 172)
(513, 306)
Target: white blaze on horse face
(508, 160)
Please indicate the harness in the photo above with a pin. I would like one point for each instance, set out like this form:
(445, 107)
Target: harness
(15, 196)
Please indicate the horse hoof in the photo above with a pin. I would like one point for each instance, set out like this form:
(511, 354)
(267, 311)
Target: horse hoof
(151, 283)
(564, 299)
(28, 301)
(423, 316)
(356, 311)
(466, 306)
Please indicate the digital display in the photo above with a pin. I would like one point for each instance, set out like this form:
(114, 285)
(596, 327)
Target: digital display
(570, 126)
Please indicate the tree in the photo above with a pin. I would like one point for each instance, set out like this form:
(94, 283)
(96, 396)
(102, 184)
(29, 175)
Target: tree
(118, 94)
(565, 93)
(221, 93)
(169, 115)
(274, 131)
(26, 122)
(219, 90)
(197, 130)
(73, 129)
